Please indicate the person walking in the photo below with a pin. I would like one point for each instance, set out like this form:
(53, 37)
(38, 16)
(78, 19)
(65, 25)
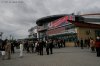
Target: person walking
(97, 44)
(31, 46)
(8, 49)
(63, 42)
(47, 46)
(21, 49)
(81, 42)
(36, 46)
(88, 43)
(12, 47)
(59, 46)
(78, 43)
(2, 48)
(51, 47)
(41, 47)
(92, 44)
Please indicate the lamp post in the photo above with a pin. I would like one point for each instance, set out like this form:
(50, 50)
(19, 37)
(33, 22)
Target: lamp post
(1, 33)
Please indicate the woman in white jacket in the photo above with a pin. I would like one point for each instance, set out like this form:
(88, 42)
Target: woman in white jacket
(21, 49)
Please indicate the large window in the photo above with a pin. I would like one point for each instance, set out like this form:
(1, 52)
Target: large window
(71, 38)
(66, 37)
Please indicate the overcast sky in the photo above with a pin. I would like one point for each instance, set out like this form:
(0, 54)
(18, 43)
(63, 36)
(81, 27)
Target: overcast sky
(17, 16)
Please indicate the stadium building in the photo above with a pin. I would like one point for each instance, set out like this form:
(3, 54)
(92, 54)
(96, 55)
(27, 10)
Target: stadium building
(68, 27)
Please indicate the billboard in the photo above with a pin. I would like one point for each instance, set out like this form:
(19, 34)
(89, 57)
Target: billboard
(60, 22)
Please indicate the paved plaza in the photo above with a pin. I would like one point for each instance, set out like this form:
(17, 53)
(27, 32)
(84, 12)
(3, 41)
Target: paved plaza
(69, 56)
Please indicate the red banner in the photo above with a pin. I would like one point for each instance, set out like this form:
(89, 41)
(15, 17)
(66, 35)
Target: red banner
(57, 22)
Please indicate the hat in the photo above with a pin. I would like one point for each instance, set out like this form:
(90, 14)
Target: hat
(97, 37)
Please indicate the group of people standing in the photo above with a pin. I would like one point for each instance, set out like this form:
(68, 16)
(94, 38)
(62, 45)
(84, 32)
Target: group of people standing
(94, 44)
(30, 46)
(38, 46)
(6, 48)
(97, 45)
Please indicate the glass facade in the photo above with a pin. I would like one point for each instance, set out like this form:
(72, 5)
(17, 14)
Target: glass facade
(97, 32)
(66, 37)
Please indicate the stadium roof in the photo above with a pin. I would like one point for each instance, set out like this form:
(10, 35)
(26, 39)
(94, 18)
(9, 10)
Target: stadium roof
(49, 19)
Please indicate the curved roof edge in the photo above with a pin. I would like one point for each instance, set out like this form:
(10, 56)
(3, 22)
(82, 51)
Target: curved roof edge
(90, 14)
(49, 18)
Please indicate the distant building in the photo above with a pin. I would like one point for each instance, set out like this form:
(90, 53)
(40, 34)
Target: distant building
(33, 32)
(67, 27)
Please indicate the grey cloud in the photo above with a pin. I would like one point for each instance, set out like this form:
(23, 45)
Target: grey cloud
(17, 18)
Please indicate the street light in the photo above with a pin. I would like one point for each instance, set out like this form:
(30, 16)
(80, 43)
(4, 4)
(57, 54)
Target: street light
(1, 33)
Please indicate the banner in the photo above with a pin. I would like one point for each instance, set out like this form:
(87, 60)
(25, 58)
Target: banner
(60, 22)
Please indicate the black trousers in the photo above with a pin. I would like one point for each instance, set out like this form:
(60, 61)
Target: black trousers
(32, 49)
(93, 48)
(81, 45)
(41, 51)
(58, 45)
(51, 50)
(12, 50)
(47, 50)
(98, 51)
(28, 50)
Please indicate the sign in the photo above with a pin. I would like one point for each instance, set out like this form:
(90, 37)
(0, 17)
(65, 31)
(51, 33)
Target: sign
(60, 21)
(73, 30)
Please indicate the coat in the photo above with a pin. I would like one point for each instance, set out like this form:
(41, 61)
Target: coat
(92, 43)
(8, 47)
(97, 43)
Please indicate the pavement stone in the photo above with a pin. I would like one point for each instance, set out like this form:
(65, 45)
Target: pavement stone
(69, 56)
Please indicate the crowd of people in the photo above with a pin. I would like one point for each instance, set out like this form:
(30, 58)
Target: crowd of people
(7, 47)
(94, 44)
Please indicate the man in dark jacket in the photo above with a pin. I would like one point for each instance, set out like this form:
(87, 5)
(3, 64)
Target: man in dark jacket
(41, 47)
(49, 46)
(97, 44)
(81, 42)
(12, 47)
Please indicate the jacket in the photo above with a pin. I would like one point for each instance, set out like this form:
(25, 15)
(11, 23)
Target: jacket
(97, 43)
